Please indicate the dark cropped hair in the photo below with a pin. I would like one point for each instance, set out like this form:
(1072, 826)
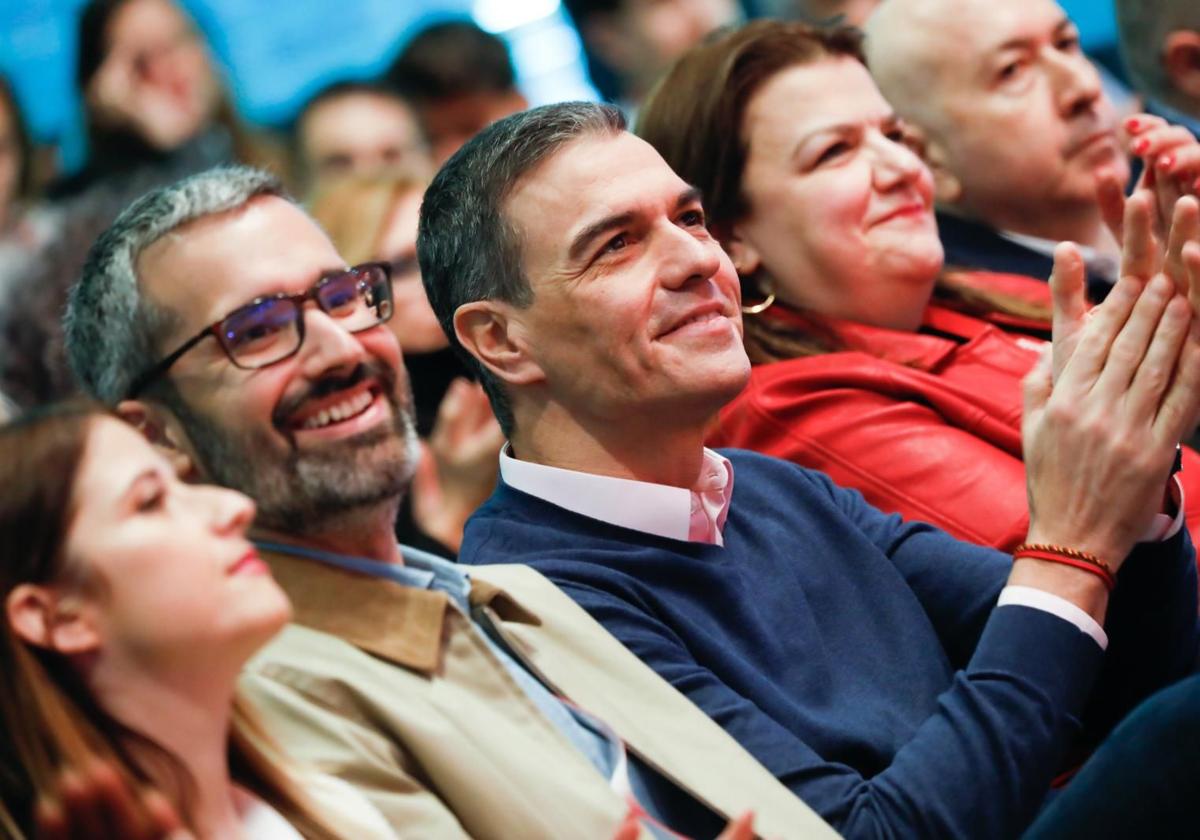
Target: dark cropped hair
(468, 250)
(450, 59)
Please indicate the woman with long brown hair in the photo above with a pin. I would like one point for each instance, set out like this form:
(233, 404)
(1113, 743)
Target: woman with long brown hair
(131, 602)
(872, 361)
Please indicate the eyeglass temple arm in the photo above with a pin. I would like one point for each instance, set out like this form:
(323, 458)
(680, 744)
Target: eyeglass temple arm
(148, 376)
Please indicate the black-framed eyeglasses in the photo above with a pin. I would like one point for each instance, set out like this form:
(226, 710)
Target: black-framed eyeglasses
(269, 329)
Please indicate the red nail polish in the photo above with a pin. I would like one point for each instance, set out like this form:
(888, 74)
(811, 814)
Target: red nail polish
(1132, 124)
(1166, 162)
(1196, 185)
(1141, 146)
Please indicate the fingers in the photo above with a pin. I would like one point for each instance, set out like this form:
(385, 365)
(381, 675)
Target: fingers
(1140, 255)
(740, 829)
(1068, 292)
(1110, 197)
(1185, 228)
(1129, 347)
(1191, 262)
(1178, 411)
(96, 803)
(630, 828)
(1100, 329)
(163, 818)
(1038, 385)
(1157, 370)
(1169, 149)
(50, 821)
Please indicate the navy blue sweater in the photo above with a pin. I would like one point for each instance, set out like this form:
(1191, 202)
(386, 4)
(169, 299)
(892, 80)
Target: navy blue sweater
(858, 657)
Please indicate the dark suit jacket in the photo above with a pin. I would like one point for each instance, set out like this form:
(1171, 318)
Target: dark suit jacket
(976, 246)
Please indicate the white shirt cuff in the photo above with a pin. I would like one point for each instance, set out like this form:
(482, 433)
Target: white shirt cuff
(1164, 527)
(1038, 599)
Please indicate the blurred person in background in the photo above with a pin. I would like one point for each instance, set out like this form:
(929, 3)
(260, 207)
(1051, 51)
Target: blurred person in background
(871, 363)
(375, 219)
(19, 228)
(131, 602)
(630, 43)
(460, 79)
(155, 111)
(1018, 131)
(25, 223)
(152, 96)
(1160, 42)
(355, 128)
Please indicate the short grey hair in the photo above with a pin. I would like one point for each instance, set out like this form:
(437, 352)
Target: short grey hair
(467, 249)
(1143, 26)
(112, 330)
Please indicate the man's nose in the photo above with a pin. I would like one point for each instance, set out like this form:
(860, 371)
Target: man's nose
(687, 257)
(1076, 83)
(328, 346)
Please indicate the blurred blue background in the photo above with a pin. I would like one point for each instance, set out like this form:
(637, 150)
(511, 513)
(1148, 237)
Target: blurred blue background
(275, 55)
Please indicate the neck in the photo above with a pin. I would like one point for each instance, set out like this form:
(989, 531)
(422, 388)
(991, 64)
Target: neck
(366, 532)
(633, 446)
(1082, 225)
(189, 718)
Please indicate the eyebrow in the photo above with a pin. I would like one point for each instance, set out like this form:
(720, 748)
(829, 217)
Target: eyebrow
(581, 242)
(890, 118)
(1021, 41)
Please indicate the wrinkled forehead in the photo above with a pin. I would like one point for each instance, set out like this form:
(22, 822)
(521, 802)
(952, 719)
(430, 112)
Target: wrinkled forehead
(585, 180)
(206, 268)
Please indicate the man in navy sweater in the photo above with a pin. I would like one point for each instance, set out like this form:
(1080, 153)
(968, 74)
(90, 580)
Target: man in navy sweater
(900, 682)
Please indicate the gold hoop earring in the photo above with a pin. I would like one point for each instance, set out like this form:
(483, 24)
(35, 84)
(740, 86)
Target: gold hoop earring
(761, 306)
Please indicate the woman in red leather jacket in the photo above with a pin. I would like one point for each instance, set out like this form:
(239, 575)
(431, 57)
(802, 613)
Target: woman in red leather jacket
(873, 363)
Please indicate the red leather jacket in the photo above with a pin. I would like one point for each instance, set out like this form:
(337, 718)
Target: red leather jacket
(924, 424)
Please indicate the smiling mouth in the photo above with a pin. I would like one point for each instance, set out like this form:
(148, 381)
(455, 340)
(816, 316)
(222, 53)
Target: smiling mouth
(908, 211)
(347, 409)
(699, 318)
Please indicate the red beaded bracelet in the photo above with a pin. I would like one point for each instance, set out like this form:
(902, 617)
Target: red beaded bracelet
(1084, 560)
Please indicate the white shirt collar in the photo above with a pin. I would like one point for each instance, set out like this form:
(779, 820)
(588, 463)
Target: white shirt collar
(695, 515)
(1099, 264)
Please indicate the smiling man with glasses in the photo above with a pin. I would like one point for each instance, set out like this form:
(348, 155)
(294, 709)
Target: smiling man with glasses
(437, 692)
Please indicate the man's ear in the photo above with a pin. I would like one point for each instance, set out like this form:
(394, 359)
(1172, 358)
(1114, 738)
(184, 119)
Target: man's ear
(44, 618)
(1181, 60)
(492, 332)
(162, 429)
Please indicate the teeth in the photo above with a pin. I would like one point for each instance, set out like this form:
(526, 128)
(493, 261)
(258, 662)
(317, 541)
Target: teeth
(341, 411)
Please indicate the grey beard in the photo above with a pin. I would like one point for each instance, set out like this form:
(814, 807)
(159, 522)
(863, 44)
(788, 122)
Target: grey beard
(301, 492)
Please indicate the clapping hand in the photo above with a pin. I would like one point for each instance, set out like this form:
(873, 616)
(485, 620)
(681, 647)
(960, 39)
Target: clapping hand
(95, 803)
(1104, 413)
(1170, 156)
